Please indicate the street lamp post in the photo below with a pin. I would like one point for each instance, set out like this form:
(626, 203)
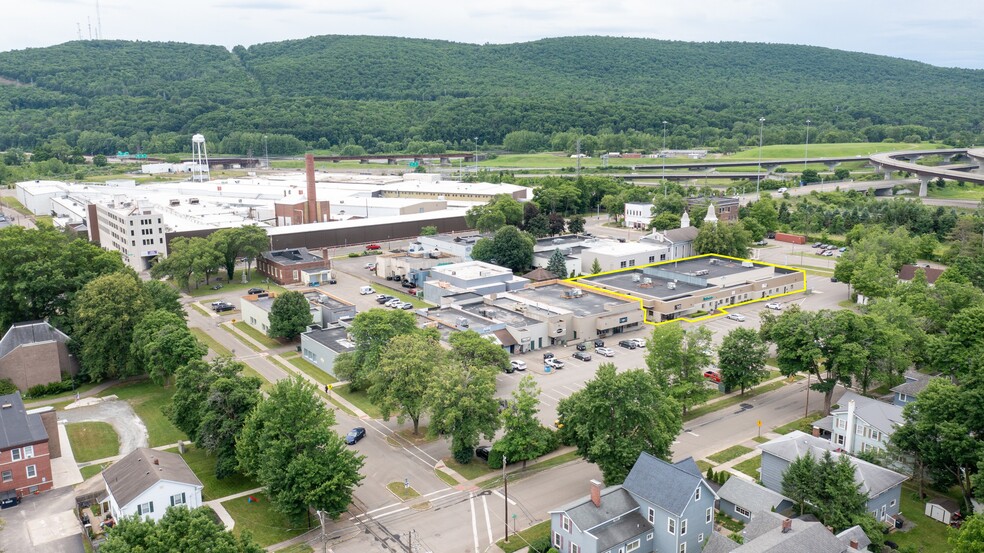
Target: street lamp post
(476, 158)
(663, 155)
(806, 150)
(266, 153)
(758, 174)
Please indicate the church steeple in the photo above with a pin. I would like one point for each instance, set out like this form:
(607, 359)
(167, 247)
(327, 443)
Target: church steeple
(711, 217)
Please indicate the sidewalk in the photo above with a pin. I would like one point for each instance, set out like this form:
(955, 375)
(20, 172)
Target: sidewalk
(321, 388)
(95, 390)
(115, 458)
(230, 327)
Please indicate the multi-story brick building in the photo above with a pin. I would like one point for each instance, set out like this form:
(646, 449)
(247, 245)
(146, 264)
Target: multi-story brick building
(25, 465)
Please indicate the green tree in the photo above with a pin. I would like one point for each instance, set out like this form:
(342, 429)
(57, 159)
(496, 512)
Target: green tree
(399, 382)
(799, 481)
(429, 230)
(510, 248)
(873, 279)
(191, 388)
(616, 416)
(178, 530)
(723, 238)
(288, 446)
(524, 142)
(161, 344)
(677, 360)
(970, 536)
(100, 160)
(463, 406)
(557, 264)
(475, 350)
(555, 223)
(105, 313)
(828, 486)
(595, 267)
(538, 225)
(164, 296)
(230, 399)
(742, 359)
(575, 224)
(290, 315)
(842, 174)
(371, 331)
(524, 437)
(959, 350)
(232, 243)
(764, 211)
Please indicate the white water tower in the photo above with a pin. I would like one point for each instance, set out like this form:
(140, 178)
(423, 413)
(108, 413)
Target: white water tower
(199, 155)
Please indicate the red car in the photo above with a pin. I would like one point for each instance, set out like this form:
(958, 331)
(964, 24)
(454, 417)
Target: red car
(713, 376)
(373, 247)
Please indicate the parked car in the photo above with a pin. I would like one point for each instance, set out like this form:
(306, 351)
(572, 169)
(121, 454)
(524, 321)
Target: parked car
(366, 290)
(782, 190)
(582, 347)
(383, 298)
(518, 365)
(774, 305)
(222, 306)
(482, 452)
(605, 352)
(355, 435)
(711, 375)
(827, 253)
(406, 284)
(582, 356)
(406, 305)
(771, 235)
(842, 250)
(255, 291)
(736, 317)
(834, 279)
(370, 266)
(217, 287)
(373, 247)
(510, 369)
(555, 363)
(627, 344)
(548, 355)
(817, 244)
(332, 281)
(393, 302)
(761, 243)
(639, 342)
(599, 343)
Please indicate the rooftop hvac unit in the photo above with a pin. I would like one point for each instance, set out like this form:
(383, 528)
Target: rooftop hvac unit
(647, 281)
(462, 322)
(747, 264)
(712, 261)
(702, 272)
(636, 277)
(671, 285)
(577, 293)
(520, 307)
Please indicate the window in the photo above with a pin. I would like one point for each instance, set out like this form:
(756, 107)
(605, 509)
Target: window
(32, 472)
(558, 541)
(15, 454)
(623, 265)
(683, 527)
(683, 547)
(743, 512)
(8, 475)
(861, 430)
(649, 536)
(178, 499)
(145, 508)
(707, 515)
(575, 548)
(840, 439)
(565, 523)
(892, 504)
(652, 515)
(671, 525)
(652, 258)
(629, 548)
(841, 423)
(700, 538)
(903, 398)
(28, 451)
(697, 494)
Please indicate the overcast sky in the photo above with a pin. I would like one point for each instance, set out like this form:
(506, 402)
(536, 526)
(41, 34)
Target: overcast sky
(947, 33)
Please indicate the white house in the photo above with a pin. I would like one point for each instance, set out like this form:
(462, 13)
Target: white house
(147, 482)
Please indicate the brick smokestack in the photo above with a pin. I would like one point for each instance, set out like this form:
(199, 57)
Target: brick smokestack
(312, 194)
(596, 493)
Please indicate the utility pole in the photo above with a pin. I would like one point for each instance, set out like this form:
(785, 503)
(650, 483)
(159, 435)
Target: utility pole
(266, 153)
(578, 157)
(806, 152)
(758, 174)
(505, 503)
(476, 159)
(321, 519)
(662, 154)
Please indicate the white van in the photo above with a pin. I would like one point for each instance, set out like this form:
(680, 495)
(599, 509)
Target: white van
(782, 190)
(365, 290)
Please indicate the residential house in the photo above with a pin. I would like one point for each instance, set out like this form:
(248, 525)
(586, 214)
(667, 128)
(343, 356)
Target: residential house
(25, 464)
(860, 424)
(774, 533)
(148, 482)
(881, 486)
(661, 507)
(33, 353)
(908, 272)
(638, 215)
(678, 241)
(907, 391)
(740, 499)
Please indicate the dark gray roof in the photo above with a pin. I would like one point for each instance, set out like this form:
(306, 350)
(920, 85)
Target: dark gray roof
(29, 333)
(914, 383)
(879, 414)
(857, 534)
(764, 535)
(826, 423)
(334, 338)
(615, 502)
(17, 428)
(291, 256)
(626, 528)
(750, 495)
(668, 486)
(718, 543)
(677, 235)
(133, 474)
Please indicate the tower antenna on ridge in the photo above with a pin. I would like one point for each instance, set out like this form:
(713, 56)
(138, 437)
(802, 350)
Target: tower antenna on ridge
(99, 25)
(88, 21)
(78, 27)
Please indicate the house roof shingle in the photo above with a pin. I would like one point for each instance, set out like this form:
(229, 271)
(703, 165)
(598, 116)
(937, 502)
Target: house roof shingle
(132, 475)
(718, 543)
(615, 502)
(908, 272)
(32, 332)
(914, 383)
(879, 414)
(855, 533)
(17, 428)
(750, 495)
(627, 527)
(764, 535)
(670, 486)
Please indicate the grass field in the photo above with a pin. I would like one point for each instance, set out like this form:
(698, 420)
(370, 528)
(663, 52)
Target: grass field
(804, 424)
(203, 465)
(732, 452)
(954, 192)
(928, 535)
(401, 491)
(795, 151)
(750, 466)
(522, 539)
(263, 339)
(476, 468)
(530, 470)
(255, 281)
(92, 470)
(265, 523)
(147, 400)
(359, 399)
(446, 478)
(307, 368)
(297, 548)
(212, 344)
(703, 466)
(13, 203)
(242, 339)
(92, 440)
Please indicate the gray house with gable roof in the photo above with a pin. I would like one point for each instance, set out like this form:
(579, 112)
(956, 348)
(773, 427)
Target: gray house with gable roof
(661, 507)
(860, 424)
(741, 499)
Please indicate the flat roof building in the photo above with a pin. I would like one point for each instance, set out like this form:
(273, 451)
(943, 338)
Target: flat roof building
(320, 346)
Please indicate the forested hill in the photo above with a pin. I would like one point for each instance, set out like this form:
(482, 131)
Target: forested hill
(378, 90)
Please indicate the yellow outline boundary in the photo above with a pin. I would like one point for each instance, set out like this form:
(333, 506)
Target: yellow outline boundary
(723, 311)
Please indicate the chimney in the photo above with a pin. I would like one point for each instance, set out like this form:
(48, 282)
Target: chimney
(787, 525)
(157, 461)
(849, 438)
(325, 258)
(854, 544)
(312, 194)
(596, 493)
(816, 432)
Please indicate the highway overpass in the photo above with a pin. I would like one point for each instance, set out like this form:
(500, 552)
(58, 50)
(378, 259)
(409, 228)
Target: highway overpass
(905, 161)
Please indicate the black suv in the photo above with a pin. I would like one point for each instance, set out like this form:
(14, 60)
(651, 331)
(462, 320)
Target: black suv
(582, 356)
(482, 452)
(599, 343)
(220, 307)
(628, 344)
(582, 347)
(255, 291)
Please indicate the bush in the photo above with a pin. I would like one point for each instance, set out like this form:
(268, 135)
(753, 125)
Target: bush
(354, 254)
(53, 388)
(7, 387)
(540, 545)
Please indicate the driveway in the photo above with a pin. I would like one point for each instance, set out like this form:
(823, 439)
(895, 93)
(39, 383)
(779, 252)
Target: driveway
(43, 523)
(120, 415)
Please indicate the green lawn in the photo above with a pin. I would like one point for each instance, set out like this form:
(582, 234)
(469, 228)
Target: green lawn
(267, 525)
(402, 491)
(523, 538)
(703, 466)
(446, 478)
(928, 535)
(804, 424)
(203, 465)
(82, 388)
(297, 548)
(732, 452)
(147, 400)
(263, 339)
(92, 470)
(242, 339)
(785, 151)
(760, 439)
(952, 191)
(359, 399)
(472, 470)
(255, 281)
(212, 344)
(13, 203)
(197, 307)
(314, 372)
(750, 467)
(92, 440)
(496, 481)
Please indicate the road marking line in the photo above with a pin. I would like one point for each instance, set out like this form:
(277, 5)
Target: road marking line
(455, 492)
(694, 434)
(551, 396)
(488, 523)
(357, 518)
(471, 503)
(571, 389)
(496, 492)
